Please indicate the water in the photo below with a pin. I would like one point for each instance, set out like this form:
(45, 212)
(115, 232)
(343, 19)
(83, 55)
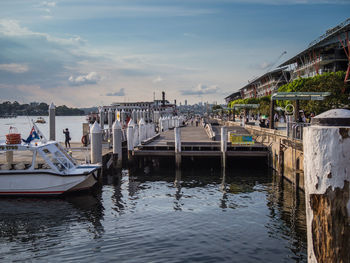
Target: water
(249, 215)
(24, 126)
(149, 218)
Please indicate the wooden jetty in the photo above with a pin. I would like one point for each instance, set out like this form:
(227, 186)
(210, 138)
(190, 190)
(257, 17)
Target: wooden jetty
(196, 143)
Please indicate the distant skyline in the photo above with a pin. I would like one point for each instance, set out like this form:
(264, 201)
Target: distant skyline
(85, 53)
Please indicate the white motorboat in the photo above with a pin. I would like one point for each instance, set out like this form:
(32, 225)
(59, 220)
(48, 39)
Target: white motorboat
(42, 168)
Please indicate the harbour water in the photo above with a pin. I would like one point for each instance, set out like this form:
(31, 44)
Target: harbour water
(248, 215)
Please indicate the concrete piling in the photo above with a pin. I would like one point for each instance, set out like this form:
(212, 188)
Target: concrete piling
(130, 138)
(96, 143)
(327, 186)
(110, 119)
(102, 118)
(223, 146)
(136, 135)
(52, 122)
(117, 142)
(177, 133)
(142, 130)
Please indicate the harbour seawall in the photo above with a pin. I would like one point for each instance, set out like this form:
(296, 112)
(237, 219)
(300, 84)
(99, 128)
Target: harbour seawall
(286, 155)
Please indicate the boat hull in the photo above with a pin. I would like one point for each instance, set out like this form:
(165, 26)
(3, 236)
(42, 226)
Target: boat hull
(45, 183)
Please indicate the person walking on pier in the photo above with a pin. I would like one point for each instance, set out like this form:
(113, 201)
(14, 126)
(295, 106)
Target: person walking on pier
(66, 133)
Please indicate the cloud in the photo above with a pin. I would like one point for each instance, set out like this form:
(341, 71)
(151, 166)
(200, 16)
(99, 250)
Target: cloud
(201, 90)
(12, 28)
(88, 79)
(157, 79)
(119, 93)
(48, 4)
(14, 68)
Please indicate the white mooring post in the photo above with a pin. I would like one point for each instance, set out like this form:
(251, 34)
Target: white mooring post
(102, 118)
(326, 145)
(96, 143)
(117, 142)
(142, 130)
(130, 138)
(177, 133)
(136, 135)
(223, 146)
(122, 118)
(110, 119)
(52, 122)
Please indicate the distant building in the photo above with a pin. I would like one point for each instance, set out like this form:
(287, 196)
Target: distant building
(185, 102)
(233, 96)
(265, 84)
(325, 54)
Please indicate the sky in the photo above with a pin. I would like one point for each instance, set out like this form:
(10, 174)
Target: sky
(85, 53)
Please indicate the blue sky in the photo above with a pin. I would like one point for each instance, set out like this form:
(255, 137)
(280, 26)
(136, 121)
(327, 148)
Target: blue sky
(85, 53)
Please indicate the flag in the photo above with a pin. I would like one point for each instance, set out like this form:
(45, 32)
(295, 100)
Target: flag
(32, 136)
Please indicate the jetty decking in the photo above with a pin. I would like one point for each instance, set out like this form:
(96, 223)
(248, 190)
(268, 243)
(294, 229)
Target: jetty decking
(196, 143)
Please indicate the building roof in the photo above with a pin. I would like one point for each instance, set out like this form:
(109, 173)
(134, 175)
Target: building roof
(263, 76)
(236, 93)
(322, 40)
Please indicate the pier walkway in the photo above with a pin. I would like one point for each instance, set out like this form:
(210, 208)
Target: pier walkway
(196, 143)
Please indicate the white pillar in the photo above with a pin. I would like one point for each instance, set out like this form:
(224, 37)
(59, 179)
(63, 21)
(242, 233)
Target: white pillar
(134, 115)
(52, 122)
(223, 139)
(130, 135)
(326, 145)
(142, 130)
(110, 118)
(96, 143)
(177, 133)
(117, 140)
(122, 118)
(102, 118)
(136, 135)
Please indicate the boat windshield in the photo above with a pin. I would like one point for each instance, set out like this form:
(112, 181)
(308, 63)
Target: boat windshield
(57, 158)
(65, 153)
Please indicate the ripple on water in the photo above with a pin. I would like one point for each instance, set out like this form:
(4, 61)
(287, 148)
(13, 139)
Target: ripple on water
(145, 218)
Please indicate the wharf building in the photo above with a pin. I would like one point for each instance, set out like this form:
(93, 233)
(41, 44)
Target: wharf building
(328, 53)
(262, 86)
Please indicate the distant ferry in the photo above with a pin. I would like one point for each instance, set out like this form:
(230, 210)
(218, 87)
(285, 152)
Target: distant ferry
(40, 120)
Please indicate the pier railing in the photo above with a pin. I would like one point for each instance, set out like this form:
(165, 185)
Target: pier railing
(295, 130)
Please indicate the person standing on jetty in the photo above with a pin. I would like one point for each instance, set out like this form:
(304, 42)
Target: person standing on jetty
(66, 133)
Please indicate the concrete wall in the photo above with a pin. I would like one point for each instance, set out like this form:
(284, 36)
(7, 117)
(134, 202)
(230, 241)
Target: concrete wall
(286, 156)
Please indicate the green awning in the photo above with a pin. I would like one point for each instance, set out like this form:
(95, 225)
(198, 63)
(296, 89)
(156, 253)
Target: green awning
(300, 95)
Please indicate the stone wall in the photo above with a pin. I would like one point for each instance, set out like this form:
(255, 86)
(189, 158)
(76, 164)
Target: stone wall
(286, 155)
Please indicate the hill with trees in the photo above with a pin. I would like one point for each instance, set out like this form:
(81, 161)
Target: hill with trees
(36, 109)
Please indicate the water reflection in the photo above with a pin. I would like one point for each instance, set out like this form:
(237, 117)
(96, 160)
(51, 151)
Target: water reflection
(30, 221)
(226, 216)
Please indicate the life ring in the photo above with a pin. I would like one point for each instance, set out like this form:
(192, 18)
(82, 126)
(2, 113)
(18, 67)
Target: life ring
(84, 140)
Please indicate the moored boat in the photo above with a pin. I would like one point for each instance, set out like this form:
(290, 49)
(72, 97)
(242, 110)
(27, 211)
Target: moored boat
(43, 168)
(40, 120)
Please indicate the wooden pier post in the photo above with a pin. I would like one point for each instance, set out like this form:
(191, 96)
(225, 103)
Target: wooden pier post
(52, 122)
(327, 186)
(117, 142)
(177, 133)
(96, 143)
(130, 138)
(223, 146)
